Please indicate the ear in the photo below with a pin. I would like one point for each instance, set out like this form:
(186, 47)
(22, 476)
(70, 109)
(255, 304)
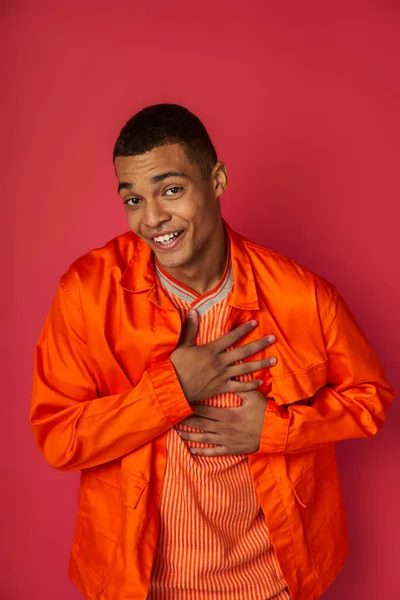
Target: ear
(219, 177)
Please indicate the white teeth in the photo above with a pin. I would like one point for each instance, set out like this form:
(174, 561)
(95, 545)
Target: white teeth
(165, 238)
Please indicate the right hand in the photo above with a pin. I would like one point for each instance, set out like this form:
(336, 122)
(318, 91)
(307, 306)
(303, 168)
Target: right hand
(207, 369)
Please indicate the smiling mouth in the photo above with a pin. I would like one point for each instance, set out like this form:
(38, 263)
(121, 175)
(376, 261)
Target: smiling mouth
(164, 239)
(167, 241)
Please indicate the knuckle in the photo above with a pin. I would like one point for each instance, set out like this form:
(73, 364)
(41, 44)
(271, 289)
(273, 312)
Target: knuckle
(244, 351)
(256, 347)
(252, 385)
(224, 357)
(247, 367)
(248, 351)
(232, 385)
(262, 344)
(209, 350)
(233, 337)
(219, 364)
(210, 346)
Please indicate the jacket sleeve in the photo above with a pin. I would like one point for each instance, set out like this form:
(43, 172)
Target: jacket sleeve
(74, 427)
(353, 404)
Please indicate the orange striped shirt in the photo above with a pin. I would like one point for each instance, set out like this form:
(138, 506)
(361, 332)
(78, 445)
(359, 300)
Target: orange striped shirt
(213, 543)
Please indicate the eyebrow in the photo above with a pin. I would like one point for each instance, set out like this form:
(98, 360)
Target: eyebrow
(125, 185)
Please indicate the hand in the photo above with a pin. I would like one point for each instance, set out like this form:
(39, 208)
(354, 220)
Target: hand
(234, 430)
(207, 370)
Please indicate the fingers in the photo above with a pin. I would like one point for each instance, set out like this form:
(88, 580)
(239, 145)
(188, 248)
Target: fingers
(251, 367)
(231, 338)
(213, 451)
(247, 350)
(210, 413)
(237, 387)
(204, 416)
(202, 438)
(190, 327)
(197, 422)
(214, 440)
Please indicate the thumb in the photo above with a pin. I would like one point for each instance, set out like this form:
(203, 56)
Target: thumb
(190, 328)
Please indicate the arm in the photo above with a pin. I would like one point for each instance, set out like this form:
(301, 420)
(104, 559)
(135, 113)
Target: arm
(74, 427)
(353, 405)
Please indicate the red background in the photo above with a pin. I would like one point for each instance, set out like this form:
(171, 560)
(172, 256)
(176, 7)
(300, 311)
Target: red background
(302, 101)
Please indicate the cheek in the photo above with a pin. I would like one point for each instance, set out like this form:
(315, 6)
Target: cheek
(133, 220)
(185, 209)
(205, 217)
(199, 210)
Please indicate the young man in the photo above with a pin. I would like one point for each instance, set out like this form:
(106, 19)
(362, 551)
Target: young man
(199, 382)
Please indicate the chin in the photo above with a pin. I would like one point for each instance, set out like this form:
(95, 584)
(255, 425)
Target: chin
(172, 262)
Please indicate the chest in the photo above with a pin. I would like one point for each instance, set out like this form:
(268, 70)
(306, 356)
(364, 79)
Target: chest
(134, 331)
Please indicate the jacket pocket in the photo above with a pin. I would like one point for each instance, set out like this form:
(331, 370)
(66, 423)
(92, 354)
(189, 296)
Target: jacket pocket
(100, 523)
(132, 489)
(322, 514)
(304, 488)
(299, 385)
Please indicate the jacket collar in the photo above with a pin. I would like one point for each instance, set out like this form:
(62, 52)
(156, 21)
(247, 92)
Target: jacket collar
(244, 293)
(140, 275)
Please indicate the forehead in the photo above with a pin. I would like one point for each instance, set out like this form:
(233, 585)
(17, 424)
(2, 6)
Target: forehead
(171, 157)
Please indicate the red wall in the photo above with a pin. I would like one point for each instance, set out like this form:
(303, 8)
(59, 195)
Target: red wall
(302, 100)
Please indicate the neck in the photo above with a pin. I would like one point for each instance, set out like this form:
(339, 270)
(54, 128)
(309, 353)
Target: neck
(207, 268)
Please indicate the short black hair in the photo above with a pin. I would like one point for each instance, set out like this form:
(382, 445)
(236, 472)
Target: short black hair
(163, 124)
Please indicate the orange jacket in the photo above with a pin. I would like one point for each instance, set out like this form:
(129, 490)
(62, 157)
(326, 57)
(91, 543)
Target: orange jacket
(105, 393)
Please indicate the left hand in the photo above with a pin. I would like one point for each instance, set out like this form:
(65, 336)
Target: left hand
(234, 430)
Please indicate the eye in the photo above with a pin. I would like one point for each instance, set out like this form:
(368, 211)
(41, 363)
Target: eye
(132, 201)
(173, 190)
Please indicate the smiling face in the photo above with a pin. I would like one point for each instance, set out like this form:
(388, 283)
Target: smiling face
(171, 206)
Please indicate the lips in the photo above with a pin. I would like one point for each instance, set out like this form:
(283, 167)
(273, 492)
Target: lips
(171, 244)
(165, 237)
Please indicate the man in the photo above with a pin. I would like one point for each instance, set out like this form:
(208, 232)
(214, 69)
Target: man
(199, 382)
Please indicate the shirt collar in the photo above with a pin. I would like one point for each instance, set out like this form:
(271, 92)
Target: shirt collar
(140, 275)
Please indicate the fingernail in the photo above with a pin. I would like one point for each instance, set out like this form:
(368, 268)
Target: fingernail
(193, 451)
(272, 361)
(253, 322)
(271, 338)
(260, 382)
(191, 313)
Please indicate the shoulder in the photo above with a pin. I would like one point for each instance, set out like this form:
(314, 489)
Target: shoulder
(268, 262)
(294, 284)
(99, 264)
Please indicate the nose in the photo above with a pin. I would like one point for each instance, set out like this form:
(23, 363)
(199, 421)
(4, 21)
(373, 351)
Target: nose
(155, 214)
